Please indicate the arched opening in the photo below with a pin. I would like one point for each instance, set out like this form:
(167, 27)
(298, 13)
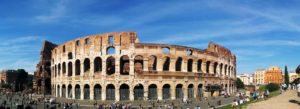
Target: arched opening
(199, 65)
(48, 86)
(178, 64)
(207, 66)
(86, 92)
(70, 55)
(77, 67)
(110, 50)
(58, 91)
(189, 52)
(190, 65)
(226, 89)
(152, 63)
(110, 92)
(97, 64)
(97, 92)
(221, 68)
(110, 40)
(166, 64)
(166, 50)
(166, 91)
(87, 41)
(70, 91)
(110, 66)
(225, 70)
(86, 67)
(124, 65)
(152, 93)
(64, 68)
(200, 91)
(63, 91)
(77, 91)
(138, 64)
(59, 69)
(138, 92)
(55, 70)
(124, 92)
(179, 91)
(70, 69)
(215, 68)
(191, 91)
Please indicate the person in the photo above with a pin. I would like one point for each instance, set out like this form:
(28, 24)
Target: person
(234, 104)
(298, 89)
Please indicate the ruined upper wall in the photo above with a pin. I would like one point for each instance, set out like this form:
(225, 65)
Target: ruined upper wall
(221, 51)
(97, 42)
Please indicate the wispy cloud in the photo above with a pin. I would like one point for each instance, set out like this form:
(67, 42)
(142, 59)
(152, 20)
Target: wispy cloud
(54, 13)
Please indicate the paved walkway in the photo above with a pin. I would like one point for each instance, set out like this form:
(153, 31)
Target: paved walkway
(278, 102)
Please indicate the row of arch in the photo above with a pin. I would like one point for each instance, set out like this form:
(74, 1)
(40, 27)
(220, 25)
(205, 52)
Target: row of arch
(138, 62)
(124, 91)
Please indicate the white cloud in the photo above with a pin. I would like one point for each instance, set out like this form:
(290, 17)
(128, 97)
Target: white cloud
(54, 13)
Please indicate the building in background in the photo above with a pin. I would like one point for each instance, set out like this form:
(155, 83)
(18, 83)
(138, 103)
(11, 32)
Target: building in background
(293, 75)
(259, 77)
(273, 75)
(8, 76)
(247, 78)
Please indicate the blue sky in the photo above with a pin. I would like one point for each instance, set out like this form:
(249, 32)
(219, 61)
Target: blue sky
(260, 32)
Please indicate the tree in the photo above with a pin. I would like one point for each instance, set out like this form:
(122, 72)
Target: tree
(240, 84)
(286, 76)
(272, 87)
(22, 79)
(298, 70)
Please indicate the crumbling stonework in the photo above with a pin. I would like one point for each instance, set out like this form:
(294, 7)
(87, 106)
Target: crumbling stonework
(116, 66)
(42, 85)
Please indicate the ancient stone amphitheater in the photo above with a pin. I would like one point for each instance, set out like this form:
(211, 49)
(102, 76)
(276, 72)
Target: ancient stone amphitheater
(116, 66)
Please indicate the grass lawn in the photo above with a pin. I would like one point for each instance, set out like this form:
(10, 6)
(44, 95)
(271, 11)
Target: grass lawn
(244, 105)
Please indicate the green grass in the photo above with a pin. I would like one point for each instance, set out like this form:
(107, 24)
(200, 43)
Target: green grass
(244, 105)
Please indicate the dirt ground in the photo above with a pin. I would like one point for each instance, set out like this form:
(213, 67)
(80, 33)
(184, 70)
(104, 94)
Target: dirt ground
(279, 102)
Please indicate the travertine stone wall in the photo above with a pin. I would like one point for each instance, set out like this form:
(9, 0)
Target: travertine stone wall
(139, 70)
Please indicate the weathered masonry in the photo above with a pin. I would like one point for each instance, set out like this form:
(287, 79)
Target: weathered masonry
(116, 66)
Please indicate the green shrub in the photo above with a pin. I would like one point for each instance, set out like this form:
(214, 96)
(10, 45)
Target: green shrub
(272, 87)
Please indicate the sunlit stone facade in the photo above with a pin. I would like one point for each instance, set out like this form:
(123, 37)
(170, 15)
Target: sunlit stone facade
(116, 66)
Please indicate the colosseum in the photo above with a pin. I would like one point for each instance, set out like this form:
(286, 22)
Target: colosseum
(116, 66)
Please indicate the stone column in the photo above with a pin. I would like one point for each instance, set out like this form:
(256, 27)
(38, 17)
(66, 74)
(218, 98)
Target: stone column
(81, 68)
(173, 92)
(146, 91)
(73, 91)
(172, 67)
(91, 92)
(131, 93)
(159, 64)
(73, 68)
(81, 92)
(184, 65)
(117, 93)
(194, 69)
(103, 92)
(195, 90)
(218, 70)
(92, 67)
(145, 64)
(203, 67)
(159, 93)
(131, 63)
(117, 65)
(185, 91)
(104, 66)
(211, 68)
